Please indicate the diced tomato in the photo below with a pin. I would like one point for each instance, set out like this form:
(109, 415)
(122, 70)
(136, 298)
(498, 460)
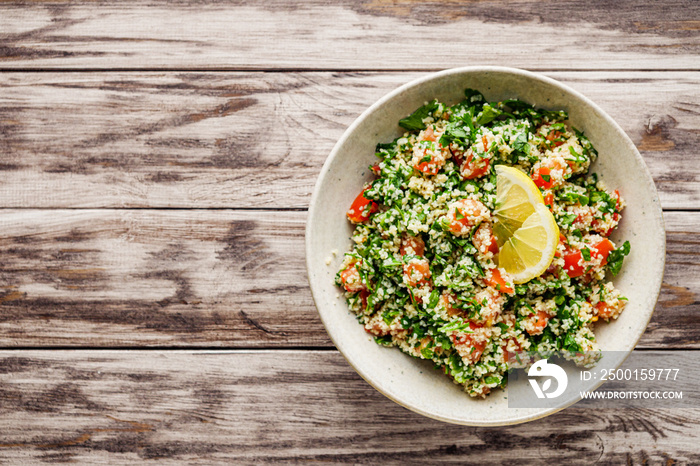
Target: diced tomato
(484, 240)
(448, 300)
(375, 169)
(472, 347)
(350, 277)
(429, 168)
(543, 179)
(552, 135)
(362, 208)
(603, 249)
(465, 214)
(414, 242)
(542, 182)
(428, 134)
(607, 311)
(496, 281)
(540, 322)
(485, 142)
(573, 259)
(493, 247)
(604, 310)
(431, 159)
(474, 167)
(549, 200)
(572, 263)
(417, 272)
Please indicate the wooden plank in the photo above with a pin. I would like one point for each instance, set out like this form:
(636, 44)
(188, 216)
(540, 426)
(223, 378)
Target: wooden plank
(107, 278)
(108, 407)
(84, 277)
(350, 34)
(259, 139)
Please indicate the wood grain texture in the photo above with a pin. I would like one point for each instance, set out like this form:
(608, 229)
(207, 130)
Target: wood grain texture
(85, 124)
(350, 34)
(214, 278)
(107, 407)
(85, 277)
(200, 140)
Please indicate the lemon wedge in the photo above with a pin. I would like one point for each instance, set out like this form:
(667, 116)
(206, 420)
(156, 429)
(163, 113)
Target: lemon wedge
(525, 229)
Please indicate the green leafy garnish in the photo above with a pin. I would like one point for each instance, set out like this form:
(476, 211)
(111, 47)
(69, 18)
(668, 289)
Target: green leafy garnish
(414, 122)
(384, 341)
(616, 257)
(586, 253)
(487, 115)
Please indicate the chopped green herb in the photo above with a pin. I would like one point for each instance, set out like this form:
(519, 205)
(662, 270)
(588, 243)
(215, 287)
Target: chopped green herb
(616, 257)
(415, 120)
(586, 253)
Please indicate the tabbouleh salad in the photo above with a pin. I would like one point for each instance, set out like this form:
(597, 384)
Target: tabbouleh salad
(423, 272)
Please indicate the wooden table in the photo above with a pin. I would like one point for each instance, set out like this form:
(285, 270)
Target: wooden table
(157, 160)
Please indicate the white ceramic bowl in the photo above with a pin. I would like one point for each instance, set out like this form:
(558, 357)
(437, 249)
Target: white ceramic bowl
(413, 383)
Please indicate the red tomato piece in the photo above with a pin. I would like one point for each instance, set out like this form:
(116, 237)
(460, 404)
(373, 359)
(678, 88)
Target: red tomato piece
(604, 310)
(362, 208)
(350, 277)
(448, 300)
(465, 214)
(468, 344)
(549, 200)
(493, 247)
(572, 263)
(496, 281)
(474, 167)
(554, 135)
(417, 272)
(428, 135)
(414, 242)
(542, 182)
(540, 322)
(603, 249)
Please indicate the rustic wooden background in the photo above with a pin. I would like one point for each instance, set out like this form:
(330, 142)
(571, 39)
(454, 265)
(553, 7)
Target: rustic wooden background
(157, 158)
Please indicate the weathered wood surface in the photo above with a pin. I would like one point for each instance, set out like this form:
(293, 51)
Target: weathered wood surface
(118, 105)
(350, 34)
(109, 407)
(200, 140)
(213, 278)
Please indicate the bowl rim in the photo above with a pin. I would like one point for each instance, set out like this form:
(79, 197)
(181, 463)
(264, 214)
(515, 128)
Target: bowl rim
(312, 212)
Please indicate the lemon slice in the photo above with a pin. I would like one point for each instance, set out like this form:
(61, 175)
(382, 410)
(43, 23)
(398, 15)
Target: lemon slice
(516, 197)
(525, 229)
